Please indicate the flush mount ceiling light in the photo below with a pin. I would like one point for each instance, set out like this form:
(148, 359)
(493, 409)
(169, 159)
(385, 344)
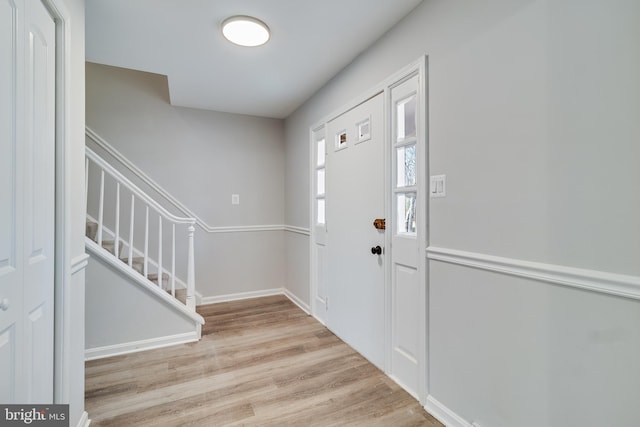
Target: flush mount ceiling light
(245, 31)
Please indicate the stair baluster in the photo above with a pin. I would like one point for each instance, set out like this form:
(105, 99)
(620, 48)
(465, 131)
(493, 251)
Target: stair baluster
(191, 271)
(133, 202)
(173, 260)
(116, 240)
(137, 262)
(146, 243)
(101, 208)
(160, 284)
(86, 184)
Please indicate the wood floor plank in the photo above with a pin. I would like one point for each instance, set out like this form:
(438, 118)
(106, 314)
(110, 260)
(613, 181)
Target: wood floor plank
(261, 362)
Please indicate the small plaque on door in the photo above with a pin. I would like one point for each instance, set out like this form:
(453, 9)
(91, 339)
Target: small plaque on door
(379, 223)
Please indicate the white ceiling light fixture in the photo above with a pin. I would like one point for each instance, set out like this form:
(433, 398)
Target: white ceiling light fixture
(245, 31)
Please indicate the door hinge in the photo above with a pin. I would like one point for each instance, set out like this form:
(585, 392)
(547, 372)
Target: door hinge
(326, 303)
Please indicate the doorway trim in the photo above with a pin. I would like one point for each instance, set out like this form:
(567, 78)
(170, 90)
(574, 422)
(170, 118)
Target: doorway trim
(63, 222)
(417, 67)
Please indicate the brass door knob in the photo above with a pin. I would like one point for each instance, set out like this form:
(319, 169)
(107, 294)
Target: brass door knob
(379, 223)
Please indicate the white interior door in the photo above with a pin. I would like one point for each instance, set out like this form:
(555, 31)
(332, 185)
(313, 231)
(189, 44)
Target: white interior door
(27, 191)
(355, 187)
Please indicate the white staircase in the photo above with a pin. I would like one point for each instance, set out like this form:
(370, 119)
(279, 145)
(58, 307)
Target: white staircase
(133, 233)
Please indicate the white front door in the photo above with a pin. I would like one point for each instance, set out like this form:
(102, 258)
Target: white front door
(27, 191)
(355, 188)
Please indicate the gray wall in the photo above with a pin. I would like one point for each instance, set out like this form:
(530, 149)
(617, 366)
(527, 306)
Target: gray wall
(201, 158)
(533, 117)
(297, 204)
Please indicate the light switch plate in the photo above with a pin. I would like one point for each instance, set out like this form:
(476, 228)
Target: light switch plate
(438, 186)
(235, 199)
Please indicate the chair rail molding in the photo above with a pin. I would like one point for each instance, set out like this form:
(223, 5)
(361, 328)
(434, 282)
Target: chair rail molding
(593, 280)
(79, 263)
(297, 230)
(117, 155)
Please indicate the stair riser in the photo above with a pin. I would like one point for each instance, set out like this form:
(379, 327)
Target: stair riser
(91, 230)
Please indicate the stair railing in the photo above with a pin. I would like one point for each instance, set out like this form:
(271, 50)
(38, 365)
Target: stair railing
(94, 164)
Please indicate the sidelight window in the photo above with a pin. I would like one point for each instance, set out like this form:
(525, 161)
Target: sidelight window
(405, 140)
(406, 166)
(406, 219)
(320, 181)
(406, 118)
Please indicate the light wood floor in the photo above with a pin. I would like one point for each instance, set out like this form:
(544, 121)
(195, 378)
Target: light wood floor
(261, 362)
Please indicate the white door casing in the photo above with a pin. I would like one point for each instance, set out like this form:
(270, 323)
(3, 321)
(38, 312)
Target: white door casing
(408, 236)
(27, 206)
(354, 199)
(402, 321)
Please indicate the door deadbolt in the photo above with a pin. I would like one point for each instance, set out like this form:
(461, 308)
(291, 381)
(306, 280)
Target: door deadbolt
(376, 250)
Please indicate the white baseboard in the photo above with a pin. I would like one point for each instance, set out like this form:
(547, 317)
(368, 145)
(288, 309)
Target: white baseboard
(404, 386)
(154, 343)
(142, 345)
(443, 414)
(257, 294)
(297, 301)
(84, 420)
(241, 296)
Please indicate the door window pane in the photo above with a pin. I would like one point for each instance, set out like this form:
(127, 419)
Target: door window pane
(320, 152)
(406, 118)
(320, 182)
(406, 166)
(320, 207)
(406, 203)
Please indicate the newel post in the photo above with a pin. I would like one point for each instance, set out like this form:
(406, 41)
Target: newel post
(191, 271)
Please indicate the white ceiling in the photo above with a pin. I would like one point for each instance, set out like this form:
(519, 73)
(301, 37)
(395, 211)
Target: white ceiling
(310, 42)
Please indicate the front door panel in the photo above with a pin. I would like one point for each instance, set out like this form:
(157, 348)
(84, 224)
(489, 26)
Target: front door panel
(355, 177)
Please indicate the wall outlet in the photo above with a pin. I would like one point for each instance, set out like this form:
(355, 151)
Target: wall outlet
(235, 199)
